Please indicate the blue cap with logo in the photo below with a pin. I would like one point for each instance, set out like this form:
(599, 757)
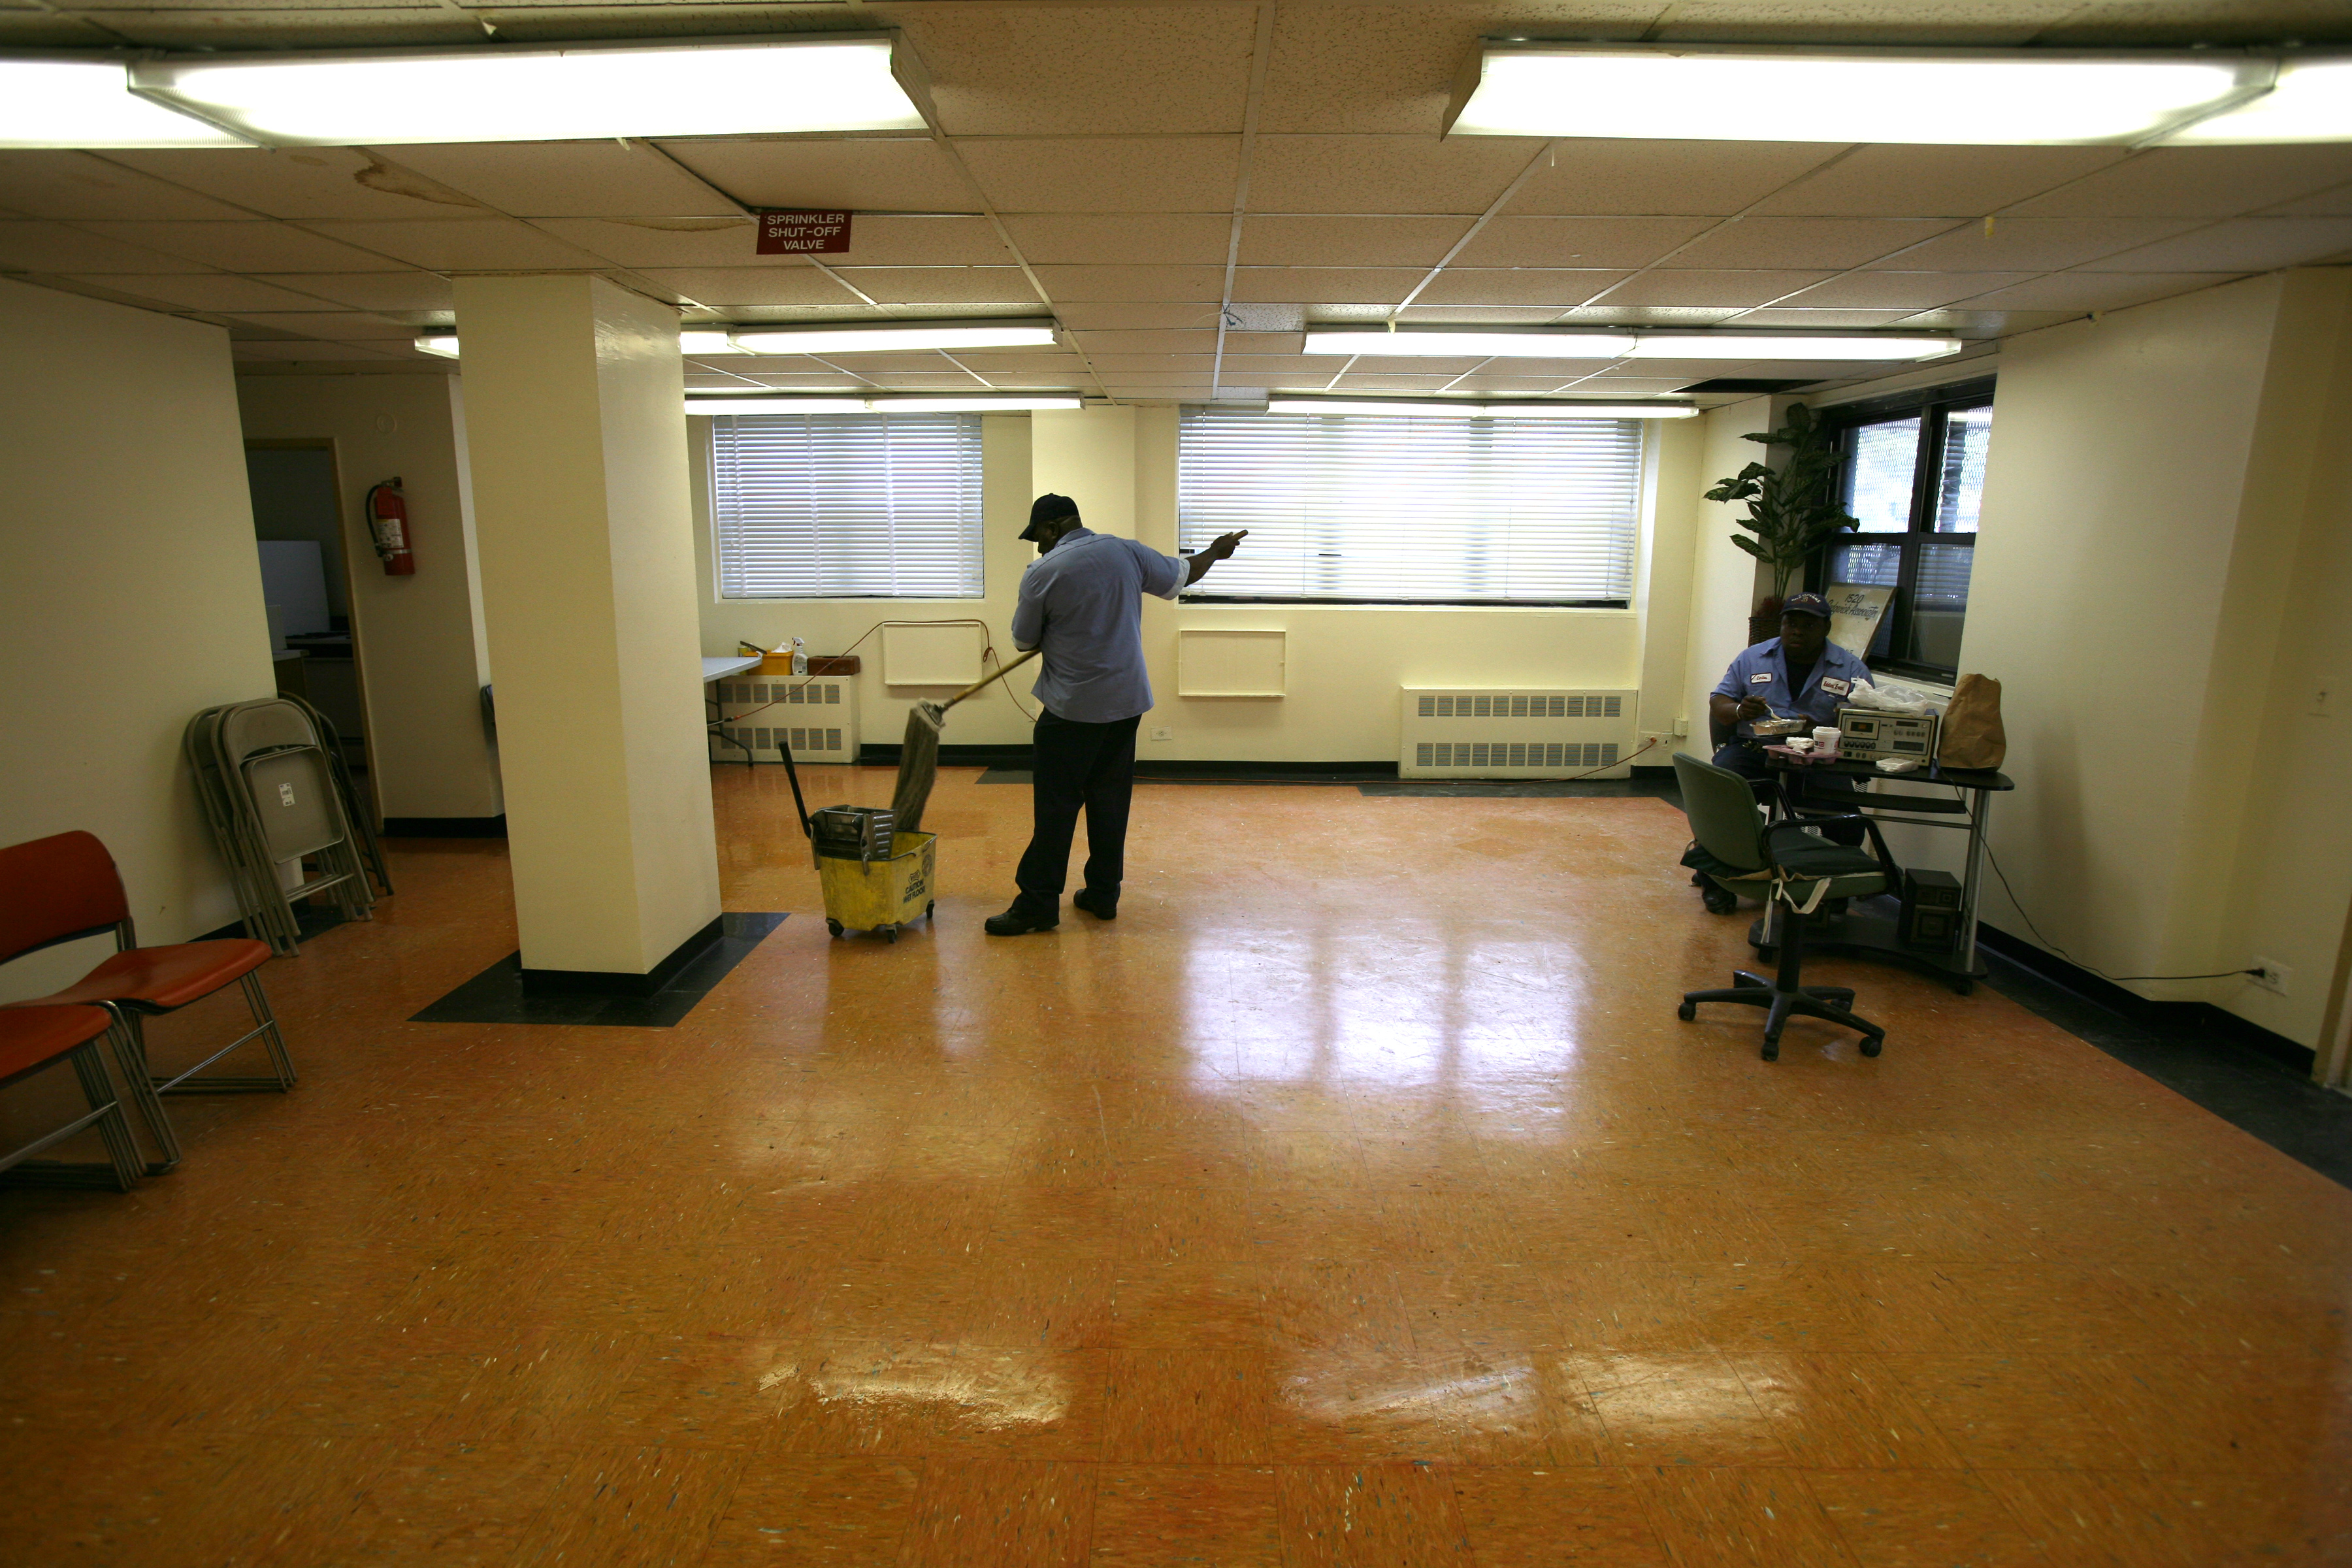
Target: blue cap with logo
(1805, 604)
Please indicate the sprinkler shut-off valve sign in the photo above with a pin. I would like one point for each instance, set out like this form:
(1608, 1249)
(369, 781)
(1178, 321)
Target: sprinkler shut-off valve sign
(797, 233)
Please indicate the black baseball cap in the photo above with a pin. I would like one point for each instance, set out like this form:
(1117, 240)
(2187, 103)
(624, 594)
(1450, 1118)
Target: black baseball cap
(1805, 604)
(1051, 508)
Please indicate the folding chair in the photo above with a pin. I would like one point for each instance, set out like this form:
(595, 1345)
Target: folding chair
(62, 887)
(34, 1039)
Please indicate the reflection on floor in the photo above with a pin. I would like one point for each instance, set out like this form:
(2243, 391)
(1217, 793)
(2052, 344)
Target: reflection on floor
(1356, 1198)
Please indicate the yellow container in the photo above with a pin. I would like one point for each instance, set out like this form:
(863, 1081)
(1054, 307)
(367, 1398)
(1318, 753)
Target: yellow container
(880, 895)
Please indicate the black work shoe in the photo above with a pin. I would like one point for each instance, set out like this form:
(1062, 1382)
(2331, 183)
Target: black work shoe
(1018, 921)
(1102, 906)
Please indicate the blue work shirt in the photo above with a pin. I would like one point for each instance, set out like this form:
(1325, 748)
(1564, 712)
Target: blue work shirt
(1763, 671)
(1082, 603)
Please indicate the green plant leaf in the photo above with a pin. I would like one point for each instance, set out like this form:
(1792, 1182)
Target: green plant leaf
(1752, 548)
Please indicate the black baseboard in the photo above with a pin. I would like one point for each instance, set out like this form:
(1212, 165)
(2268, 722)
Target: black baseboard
(2200, 1018)
(622, 982)
(876, 754)
(444, 827)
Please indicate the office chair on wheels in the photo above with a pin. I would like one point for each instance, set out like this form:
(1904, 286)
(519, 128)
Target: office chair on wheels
(1790, 865)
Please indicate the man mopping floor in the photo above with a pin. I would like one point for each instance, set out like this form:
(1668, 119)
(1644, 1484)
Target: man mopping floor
(1081, 604)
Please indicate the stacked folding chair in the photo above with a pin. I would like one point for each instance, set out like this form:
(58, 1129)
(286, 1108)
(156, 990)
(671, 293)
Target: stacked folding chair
(274, 792)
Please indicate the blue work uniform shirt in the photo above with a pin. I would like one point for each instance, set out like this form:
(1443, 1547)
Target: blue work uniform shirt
(1082, 603)
(1763, 671)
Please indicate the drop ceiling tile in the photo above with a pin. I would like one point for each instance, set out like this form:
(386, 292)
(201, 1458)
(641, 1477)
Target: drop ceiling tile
(989, 362)
(1616, 315)
(1902, 290)
(1519, 384)
(923, 381)
(889, 239)
(1612, 386)
(1831, 242)
(1478, 315)
(1199, 341)
(785, 315)
(1540, 369)
(2198, 182)
(565, 179)
(734, 286)
(313, 352)
(1137, 283)
(1392, 383)
(1826, 319)
(213, 292)
(1991, 25)
(1561, 288)
(2092, 291)
(1120, 364)
(55, 185)
(1296, 380)
(1159, 378)
(2237, 244)
(33, 245)
(940, 285)
(1618, 242)
(1363, 70)
(908, 174)
(1039, 380)
(1984, 323)
(1121, 317)
(1895, 180)
(925, 363)
(2035, 245)
(1383, 174)
(1086, 70)
(665, 241)
(302, 182)
(372, 290)
(1237, 343)
(1333, 241)
(1164, 239)
(1326, 285)
(1408, 365)
(1709, 290)
(341, 326)
(2334, 201)
(456, 244)
(762, 367)
(1613, 178)
(1107, 174)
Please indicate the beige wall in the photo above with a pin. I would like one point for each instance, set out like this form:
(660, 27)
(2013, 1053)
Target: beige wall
(577, 450)
(1725, 582)
(1345, 663)
(418, 638)
(130, 596)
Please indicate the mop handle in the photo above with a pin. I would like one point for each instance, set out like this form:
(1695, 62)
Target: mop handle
(1001, 674)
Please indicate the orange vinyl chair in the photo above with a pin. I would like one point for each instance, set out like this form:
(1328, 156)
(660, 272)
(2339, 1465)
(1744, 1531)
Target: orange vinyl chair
(34, 1039)
(65, 887)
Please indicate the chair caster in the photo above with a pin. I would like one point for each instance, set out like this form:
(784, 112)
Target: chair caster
(1687, 1012)
(1871, 1044)
(1771, 1047)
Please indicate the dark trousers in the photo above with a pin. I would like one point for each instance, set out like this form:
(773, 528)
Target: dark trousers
(1801, 793)
(1075, 764)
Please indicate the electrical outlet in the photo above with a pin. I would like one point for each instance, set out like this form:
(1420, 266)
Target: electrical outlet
(2274, 976)
(1660, 747)
(1163, 734)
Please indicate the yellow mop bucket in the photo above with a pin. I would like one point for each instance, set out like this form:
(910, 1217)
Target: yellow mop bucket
(880, 895)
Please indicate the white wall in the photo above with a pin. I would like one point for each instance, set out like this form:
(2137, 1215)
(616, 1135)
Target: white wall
(130, 596)
(1725, 582)
(418, 638)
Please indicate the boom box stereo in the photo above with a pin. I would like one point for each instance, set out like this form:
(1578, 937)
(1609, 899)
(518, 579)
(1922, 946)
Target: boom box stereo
(1931, 910)
(1867, 735)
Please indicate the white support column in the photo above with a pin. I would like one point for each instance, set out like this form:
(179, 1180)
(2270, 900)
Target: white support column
(576, 442)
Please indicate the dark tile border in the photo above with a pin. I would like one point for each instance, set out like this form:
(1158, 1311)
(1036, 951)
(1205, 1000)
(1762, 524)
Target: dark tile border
(498, 994)
(444, 827)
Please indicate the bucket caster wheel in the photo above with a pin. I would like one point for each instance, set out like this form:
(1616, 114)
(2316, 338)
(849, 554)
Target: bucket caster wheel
(929, 908)
(891, 933)
(1687, 1012)
(1871, 1044)
(833, 925)
(1771, 1047)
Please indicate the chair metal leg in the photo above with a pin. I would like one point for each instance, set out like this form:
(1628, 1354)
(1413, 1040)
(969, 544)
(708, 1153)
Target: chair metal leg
(131, 1055)
(122, 1166)
(265, 1027)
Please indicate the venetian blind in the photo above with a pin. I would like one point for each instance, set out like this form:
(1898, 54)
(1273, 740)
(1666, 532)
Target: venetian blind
(1383, 508)
(846, 506)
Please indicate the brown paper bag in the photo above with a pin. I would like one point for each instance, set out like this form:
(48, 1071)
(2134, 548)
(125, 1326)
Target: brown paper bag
(1971, 735)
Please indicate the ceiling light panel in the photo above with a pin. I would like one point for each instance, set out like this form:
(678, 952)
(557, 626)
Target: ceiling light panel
(706, 406)
(1761, 346)
(1464, 409)
(922, 335)
(1483, 345)
(505, 94)
(2311, 101)
(1956, 97)
(63, 101)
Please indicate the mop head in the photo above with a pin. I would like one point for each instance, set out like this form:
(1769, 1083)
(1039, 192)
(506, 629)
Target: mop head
(918, 763)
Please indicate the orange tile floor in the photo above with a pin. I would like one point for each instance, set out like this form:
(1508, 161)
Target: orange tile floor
(1356, 1198)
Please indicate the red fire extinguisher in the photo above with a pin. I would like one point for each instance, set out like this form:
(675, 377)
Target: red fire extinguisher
(387, 519)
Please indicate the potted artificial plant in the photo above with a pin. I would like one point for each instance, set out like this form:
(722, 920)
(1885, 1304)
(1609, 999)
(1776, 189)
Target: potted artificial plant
(1792, 509)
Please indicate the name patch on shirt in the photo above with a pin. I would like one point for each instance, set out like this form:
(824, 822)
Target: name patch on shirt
(1763, 679)
(1835, 687)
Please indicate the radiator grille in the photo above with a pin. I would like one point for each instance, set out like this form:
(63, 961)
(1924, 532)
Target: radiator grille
(763, 738)
(744, 693)
(1520, 706)
(1515, 754)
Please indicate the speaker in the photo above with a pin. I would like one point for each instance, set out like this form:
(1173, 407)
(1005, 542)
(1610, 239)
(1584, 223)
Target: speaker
(1931, 910)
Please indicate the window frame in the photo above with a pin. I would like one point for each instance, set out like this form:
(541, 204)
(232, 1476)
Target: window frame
(1933, 406)
(1205, 592)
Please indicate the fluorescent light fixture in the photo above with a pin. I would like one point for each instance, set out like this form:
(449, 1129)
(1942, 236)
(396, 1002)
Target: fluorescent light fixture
(499, 92)
(705, 340)
(724, 404)
(1768, 346)
(1765, 93)
(1463, 410)
(2312, 102)
(1469, 345)
(910, 337)
(444, 344)
(86, 101)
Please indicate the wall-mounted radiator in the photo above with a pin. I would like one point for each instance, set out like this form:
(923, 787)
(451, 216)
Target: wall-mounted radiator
(1514, 732)
(815, 716)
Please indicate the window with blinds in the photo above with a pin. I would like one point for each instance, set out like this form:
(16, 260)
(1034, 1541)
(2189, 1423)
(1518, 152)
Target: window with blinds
(846, 506)
(1379, 509)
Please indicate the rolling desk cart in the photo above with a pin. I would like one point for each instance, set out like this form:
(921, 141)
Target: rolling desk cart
(1870, 931)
